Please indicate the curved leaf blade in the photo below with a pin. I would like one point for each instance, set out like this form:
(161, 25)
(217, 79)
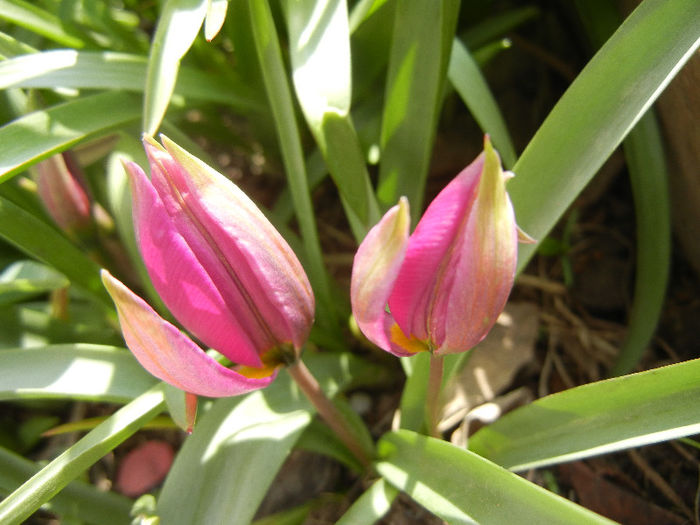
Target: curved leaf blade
(77, 371)
(40, 134)
(39, 240)
(596, 418)
(79, 499)
(51, 479)
(462, 487)
(178, 26)
(598, 110)
(110, 70)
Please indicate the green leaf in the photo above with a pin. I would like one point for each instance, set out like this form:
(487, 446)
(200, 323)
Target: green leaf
(280, 100)
(40, 22)
(77, 500)
(466, 77)
(596, 418)
(109, 70)
(371, 506)
(24, 279)
(423, 34)
(178, 26)
(648, 175)
(226, 466)
(77, 371)
(39, 240)
(216, 16)
(40, 134)
(51, 479)
(462, 487)
(598, 110)
(320, 53)
(412, 404)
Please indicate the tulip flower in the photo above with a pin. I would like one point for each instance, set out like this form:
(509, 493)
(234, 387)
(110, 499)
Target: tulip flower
(64, 195)
(222, 270)
(442, 288)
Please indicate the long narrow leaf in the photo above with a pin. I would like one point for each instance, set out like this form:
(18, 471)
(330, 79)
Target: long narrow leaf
(40, 22)
(109, 70)
(78, 500)
(466, 77)
(647, 170)
(462, 487)
(280, 99)
(77, 371)
(51, 479)
(34, 137)
(44, 243)
(371, 506)
(597, 418)
(423, 34)
(320, 52)
(225, 468)
(599, 109)
(178, 26)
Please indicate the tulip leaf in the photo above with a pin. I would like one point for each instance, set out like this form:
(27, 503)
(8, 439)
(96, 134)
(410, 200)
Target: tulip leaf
(647, 170)
(39, 21)
(216, 16)
(226, 466)
(109, 70)
(466, 77)
(598, 110)
(78, 499)
(41, 487)
(38, 135)
(280, 99)
(33, 324)
(39, 240)
(597, 418)
(320, 53)
(371, 506)
(23, 279)
(420, 49)
(462, 487)
(75, 371)
(177, 28)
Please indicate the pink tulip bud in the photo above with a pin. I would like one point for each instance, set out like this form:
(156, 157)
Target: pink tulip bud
(220, 267)
(441, 288)
(63, 194)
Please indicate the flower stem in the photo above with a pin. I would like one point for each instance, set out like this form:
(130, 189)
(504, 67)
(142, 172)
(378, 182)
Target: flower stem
(326, 409)
(433, 394)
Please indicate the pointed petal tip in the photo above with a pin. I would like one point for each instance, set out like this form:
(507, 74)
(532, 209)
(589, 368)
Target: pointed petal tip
(524, 237)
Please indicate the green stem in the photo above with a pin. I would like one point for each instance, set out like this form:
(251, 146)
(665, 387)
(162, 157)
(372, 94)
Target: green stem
(433, 394)
(326, 409)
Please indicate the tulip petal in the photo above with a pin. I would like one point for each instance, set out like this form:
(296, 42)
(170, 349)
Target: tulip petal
(260, 278)
(179, 278)
(374, 271)
(428, 249)
(479, 271)
(170, 355)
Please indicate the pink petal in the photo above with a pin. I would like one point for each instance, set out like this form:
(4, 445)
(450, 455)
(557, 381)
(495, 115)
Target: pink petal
(480, 269)
(253, 267)
(425, 266)
(181, 281)
(170, 355)
(374, 270)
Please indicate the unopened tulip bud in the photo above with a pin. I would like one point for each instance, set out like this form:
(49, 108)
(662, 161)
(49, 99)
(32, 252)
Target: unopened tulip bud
(442, 288)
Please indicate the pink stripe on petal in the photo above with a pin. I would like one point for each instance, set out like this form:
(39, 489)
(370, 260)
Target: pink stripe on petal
(170, 355)
(178, 276)
(258, 274)
(374, 271)
(428, 250)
